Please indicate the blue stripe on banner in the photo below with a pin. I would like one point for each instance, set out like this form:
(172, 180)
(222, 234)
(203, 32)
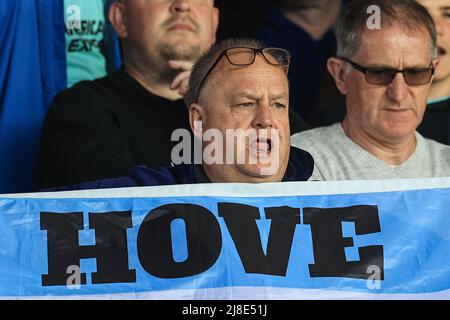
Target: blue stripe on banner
(414, 239)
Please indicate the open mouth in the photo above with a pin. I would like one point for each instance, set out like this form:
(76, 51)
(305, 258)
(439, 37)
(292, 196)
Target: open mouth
(261, 145)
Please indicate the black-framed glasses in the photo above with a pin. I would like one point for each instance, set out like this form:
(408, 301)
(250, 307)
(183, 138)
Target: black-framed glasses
(384, 76)
(245, 56)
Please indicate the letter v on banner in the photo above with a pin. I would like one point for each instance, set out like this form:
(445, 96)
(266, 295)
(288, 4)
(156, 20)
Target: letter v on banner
(241, 223)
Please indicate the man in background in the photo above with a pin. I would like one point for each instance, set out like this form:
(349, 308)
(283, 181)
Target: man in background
(103, 128)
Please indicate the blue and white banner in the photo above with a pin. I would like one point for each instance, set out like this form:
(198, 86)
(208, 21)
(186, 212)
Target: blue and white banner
(304, 240)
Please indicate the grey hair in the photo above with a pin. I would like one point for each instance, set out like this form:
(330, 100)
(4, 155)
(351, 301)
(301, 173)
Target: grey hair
(352, 23)
(205, 62)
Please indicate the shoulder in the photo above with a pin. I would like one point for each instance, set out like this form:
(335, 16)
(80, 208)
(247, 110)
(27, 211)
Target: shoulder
(139, 176)
(434, 147)
(98, 86)
(85, 101)
(316, 137)
(435, 156)
(89, 94)
(146, 176)
(302, 163)
(330, 149)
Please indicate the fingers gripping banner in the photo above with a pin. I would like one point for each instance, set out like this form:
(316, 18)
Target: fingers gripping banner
(313, 240)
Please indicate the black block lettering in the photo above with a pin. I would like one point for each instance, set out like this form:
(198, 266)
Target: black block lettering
(329, 243)
(204, 241)
(241, 223)
(110, 250)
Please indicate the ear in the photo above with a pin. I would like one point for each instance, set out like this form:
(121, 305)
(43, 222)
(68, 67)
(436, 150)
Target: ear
(117, 18)
(196, 116)
(336, 68)
(215, 24)
(436, 63)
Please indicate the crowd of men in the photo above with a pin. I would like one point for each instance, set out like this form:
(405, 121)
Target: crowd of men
(238, 101)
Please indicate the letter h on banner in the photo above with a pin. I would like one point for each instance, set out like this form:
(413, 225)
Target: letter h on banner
(110, 250)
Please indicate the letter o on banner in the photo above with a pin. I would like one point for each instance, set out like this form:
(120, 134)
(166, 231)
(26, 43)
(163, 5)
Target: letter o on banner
(154, 242)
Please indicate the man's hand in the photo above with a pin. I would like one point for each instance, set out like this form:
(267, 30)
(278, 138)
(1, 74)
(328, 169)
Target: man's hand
(181, 81)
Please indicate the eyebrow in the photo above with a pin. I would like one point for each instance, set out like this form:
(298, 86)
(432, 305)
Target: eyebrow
(246, 95)
(279, 96)
(255, 97)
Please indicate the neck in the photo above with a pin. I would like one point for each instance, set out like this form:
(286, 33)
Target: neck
(316, 19)
(440, 89)
(157, 80)
(392, 152)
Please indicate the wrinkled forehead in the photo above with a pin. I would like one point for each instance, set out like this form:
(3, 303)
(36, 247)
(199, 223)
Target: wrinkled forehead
(395, 43)
(259, 76)
(435, 3)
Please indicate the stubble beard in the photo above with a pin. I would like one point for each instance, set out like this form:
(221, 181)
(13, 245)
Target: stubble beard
(180, 51)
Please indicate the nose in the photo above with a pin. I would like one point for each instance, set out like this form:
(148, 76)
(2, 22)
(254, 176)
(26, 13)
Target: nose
(263, 118)
(179, 6)
(397, 91)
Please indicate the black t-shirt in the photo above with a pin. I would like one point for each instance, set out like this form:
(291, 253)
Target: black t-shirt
(435, 123)
(103, 128)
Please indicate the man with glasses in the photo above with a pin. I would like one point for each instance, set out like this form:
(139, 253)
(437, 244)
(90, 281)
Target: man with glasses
(242, 86)
(385, 74)
(239, 103)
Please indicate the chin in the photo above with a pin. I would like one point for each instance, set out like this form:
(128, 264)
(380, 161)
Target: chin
(182, 38)
(181, 49)
(257, 173)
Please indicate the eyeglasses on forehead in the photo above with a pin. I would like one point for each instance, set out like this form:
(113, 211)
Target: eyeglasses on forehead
(245, 56)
